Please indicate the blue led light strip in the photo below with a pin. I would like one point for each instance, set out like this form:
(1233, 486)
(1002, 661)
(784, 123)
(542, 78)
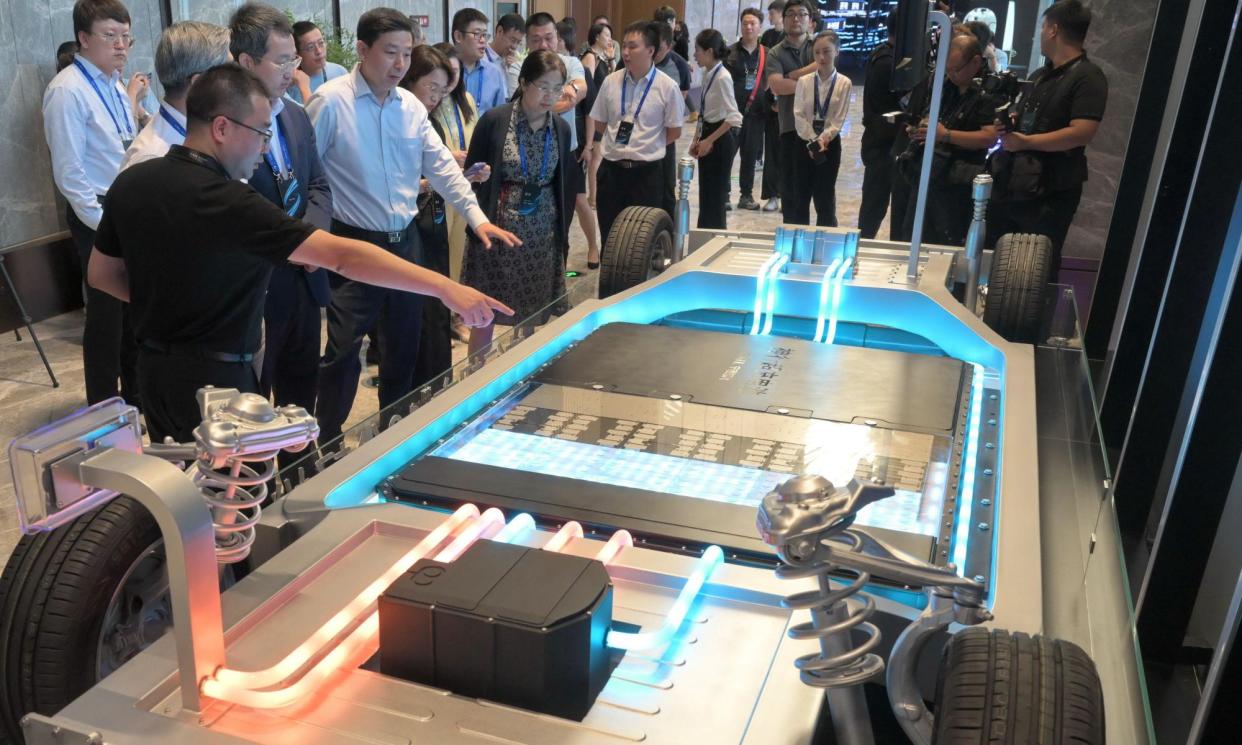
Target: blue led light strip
(837, 281)
(824, 286)
(967, 492)
(772, 284)
(759, 283)
(712, 558)
(516, 529)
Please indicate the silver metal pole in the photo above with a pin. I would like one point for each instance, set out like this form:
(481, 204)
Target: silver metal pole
(980, 193)
(929, 147)
(681, 221)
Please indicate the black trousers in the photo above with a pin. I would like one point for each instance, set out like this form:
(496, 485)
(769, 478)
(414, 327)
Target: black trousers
(169, 386)
(792, 153)
(813, 182)
(876, 189)
(435, 345)
(714, 170)
(355, 308)
(668, 199)
(947, 217)
(750, 147)
(1050, 215)
(902, 201)
(291, 340)
(108, 349)
(772, 165)
(619, 187)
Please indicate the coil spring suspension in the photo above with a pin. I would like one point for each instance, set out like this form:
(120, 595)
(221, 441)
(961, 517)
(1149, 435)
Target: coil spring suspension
(834, 616)
(235, 495)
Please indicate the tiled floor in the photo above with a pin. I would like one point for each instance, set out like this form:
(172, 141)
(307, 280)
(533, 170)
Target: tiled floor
(28, 400)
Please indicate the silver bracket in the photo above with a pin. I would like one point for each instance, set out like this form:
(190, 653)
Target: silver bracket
(40, 730)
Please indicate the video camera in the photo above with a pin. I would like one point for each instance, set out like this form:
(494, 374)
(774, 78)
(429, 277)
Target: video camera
(1004, 92)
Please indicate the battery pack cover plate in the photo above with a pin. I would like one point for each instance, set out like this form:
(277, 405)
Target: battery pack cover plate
(511, 624)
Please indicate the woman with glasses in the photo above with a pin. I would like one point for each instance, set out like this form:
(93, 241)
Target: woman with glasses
(428, 79)
(531, 195)
(456, 116)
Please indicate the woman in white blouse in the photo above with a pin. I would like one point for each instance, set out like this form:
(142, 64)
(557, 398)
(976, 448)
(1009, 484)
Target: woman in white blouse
(820, 105)
(715, 140)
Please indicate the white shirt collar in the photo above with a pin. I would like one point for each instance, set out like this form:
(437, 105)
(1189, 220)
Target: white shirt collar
(94, 71)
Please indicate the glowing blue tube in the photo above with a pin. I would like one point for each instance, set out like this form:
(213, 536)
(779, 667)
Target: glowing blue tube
(516, 529)
(772, 285)
(838, 280)
(759, 283)
(703, 570)
(967, 495)
(824, 285)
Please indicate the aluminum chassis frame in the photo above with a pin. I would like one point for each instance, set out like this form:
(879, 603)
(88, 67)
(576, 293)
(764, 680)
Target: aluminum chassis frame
(123, 707)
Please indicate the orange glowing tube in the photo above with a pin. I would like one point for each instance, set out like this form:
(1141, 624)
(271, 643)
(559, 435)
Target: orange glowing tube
(488, 525)
(467, 515)
(621, 539)
(557, 542)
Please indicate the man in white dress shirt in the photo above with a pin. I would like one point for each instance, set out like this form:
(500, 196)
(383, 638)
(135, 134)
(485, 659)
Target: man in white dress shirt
(185, 51)
(376, 142)
(89, 122)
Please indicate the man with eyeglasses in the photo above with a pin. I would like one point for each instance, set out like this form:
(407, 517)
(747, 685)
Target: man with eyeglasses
(484, 80)
(316, 69)
(196, 265)
(376, 142)
(291, 176)
(503, 51)
(790, 59)
(88, 120)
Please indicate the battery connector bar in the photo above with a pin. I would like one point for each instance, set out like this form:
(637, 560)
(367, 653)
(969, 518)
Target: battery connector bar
(712, 558)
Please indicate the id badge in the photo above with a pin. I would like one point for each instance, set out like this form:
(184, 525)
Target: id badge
(287, 187)
(624, 130)
(818, 126)
(750, 81)
(530, 199)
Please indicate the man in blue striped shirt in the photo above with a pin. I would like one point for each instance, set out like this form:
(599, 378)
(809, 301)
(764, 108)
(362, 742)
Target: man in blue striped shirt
(484, 80)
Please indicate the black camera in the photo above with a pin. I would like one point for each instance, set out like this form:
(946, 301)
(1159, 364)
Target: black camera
(1004, 92)
(903, 117)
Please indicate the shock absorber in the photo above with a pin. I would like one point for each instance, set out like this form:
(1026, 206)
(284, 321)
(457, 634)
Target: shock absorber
(236, 448)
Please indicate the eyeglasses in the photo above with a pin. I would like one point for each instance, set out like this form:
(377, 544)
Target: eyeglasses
(798, 14)
(311, 46)
(480, 35)
(289, 66)
(126, 40)
(266, 134)
(549, 90)
(436, 89)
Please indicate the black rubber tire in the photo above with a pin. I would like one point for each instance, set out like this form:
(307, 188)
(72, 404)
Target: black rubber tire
(1002, 688)
(54, 592)
(1017, 285)
(636, 238)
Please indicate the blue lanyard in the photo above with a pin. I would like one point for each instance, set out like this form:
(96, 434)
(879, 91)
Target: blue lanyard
(708, 87)
(284, 151)
(461, 130)
(547, 152)
(128, 130)
(172, 121)
(822, 113)
(625, 79)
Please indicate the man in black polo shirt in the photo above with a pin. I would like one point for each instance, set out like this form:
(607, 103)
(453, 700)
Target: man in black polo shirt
(748, 64)
(789, 60)
(1040, 174)
(191, 247)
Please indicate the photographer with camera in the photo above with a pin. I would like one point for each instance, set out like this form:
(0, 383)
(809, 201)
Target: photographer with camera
(962, 136)
(821, 101)
(1041, 170)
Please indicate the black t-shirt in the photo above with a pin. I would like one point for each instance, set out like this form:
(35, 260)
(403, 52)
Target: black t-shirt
(1077, 89)
(879, 100)
(771, 37)
(742, 64)
(198, 247)
(970, 111)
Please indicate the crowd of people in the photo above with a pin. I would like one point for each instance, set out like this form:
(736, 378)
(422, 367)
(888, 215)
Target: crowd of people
(435, 185)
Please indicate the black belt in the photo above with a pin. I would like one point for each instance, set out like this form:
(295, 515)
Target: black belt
(382, 237)
(634, 163)
(190, 350)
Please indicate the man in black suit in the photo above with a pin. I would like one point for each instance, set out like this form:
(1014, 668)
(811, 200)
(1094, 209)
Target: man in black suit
(291, 176)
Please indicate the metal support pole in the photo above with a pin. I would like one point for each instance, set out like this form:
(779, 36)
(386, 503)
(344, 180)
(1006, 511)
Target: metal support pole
(21, 310)
(190, 548)
(980, 193)
(681, 221)
(929, 146)
(851, 720)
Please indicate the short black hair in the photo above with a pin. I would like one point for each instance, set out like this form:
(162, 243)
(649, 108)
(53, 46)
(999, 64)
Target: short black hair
(465, 17)
(511, 22)
(752, 12)
(224, 90)
(86, 12)
(796, 4)
(651, 36)
(664, 33)
(539, 19)
(711, 40)
(302, 28)
(777, 5)
(379, 21)
(567, 32)
(981, 31)
(664, 14)
(1071, 17)
(250, 27)
(64, 54)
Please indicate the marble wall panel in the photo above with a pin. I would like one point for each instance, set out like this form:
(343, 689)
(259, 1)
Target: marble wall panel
(219, 11)
(726, 17)
(352, 10)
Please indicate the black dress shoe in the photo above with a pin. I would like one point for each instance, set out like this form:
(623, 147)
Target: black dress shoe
(592, 265)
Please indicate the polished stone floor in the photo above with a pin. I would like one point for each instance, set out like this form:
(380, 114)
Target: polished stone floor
(28, 400)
